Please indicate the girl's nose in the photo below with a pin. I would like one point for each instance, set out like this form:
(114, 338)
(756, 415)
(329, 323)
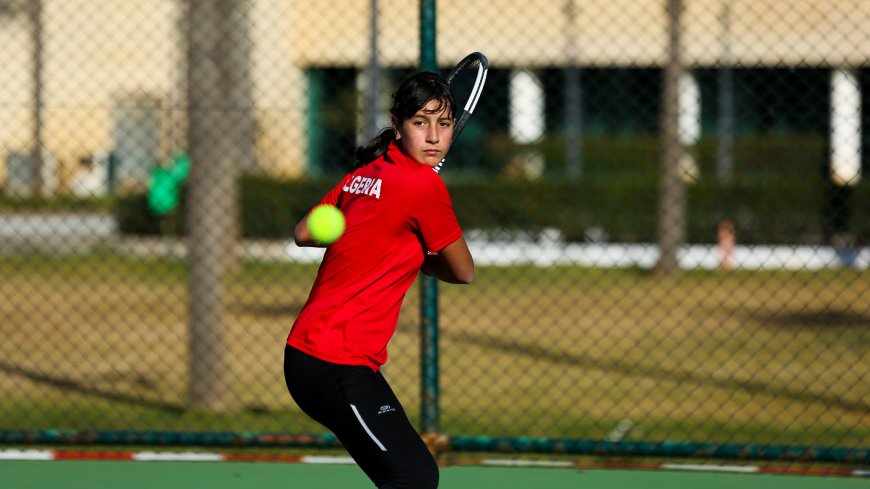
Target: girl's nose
(432, 135)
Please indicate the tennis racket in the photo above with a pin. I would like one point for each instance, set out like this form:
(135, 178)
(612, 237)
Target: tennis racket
(466, 81)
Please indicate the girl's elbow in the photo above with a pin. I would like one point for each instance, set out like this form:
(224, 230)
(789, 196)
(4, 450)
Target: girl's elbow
(465, 277)
(301, 236)
(299, 239)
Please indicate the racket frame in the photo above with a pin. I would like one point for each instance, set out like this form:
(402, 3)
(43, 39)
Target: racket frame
(473, 97)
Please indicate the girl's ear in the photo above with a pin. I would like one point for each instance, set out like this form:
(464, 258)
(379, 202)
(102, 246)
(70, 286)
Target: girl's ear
(394, 122)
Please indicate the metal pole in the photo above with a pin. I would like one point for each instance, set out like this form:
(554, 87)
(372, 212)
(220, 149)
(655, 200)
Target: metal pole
(671, 220)
(429, 411)
(221, 141)
(573, 101)
(374, 78)
(37, 154)
(725, 150)
(428, 49)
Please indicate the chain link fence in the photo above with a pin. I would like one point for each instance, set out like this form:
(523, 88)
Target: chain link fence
(664, 200)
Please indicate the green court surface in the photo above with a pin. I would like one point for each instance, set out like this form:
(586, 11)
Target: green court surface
(237, 475)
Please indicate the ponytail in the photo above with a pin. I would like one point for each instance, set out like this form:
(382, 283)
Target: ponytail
(375, 148)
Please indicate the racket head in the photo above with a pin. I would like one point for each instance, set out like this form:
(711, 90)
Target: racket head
(466, 81)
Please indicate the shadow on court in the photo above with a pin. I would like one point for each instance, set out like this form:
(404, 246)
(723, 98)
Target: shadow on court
(630, 368)
(85, 387)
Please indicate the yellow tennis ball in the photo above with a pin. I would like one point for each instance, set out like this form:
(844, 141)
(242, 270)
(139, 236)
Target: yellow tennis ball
(326, 224)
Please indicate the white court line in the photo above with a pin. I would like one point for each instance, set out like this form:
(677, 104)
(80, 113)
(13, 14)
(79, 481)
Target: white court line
(743, 469)
(177, 457)
(26, 455)
(316, 459)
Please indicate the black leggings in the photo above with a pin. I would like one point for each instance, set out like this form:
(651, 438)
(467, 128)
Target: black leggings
(358, 406)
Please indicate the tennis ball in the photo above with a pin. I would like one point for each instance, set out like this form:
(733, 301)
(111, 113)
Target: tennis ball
(326, 223)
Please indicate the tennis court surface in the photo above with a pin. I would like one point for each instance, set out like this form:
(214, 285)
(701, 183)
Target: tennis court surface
(112, 474)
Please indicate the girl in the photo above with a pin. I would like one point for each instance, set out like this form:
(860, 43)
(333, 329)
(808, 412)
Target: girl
(400, 220)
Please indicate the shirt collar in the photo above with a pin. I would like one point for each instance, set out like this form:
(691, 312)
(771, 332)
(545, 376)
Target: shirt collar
(395, 155)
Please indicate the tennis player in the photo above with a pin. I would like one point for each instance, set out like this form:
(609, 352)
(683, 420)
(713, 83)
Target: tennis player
(400, 220)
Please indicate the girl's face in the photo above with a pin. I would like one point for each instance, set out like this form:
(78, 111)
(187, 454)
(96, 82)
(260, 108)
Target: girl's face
(426, 136)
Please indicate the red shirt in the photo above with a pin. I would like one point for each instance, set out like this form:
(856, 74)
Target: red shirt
(396, 210)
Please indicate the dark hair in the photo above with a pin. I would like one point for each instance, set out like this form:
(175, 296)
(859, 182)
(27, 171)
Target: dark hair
(414, 92)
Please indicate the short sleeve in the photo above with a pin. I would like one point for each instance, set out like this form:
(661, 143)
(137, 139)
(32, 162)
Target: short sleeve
(434, 215)
(333, 195)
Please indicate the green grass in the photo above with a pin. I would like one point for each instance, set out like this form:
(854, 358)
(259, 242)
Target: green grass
(101, 343)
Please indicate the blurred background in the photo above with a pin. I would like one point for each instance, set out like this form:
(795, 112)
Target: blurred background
(664, 199)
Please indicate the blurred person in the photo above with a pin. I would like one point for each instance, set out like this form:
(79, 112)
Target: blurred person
(399, 221)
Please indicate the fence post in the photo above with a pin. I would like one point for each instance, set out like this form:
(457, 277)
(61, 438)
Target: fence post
(37, 183)
(671, 220)
(221, 141)
(428, 285)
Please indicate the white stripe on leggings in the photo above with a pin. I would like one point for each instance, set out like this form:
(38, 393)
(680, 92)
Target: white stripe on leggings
(365, 427)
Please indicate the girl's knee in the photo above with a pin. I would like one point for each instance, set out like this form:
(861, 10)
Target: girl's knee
(429, 476)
